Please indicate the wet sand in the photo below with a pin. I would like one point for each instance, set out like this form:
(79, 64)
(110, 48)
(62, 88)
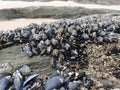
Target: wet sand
(22, 4)
(12, 24)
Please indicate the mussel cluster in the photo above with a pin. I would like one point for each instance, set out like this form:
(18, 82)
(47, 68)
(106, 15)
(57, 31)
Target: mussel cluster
(24, 79)
(64, 41)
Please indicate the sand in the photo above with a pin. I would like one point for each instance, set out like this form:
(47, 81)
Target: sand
(22, 4)
(7, 25)
(12, 24)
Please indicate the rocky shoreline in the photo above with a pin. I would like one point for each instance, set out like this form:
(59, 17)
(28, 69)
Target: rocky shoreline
(50, 12)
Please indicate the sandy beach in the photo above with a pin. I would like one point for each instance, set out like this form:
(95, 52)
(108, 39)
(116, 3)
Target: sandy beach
(22, 4)
(11, 24)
